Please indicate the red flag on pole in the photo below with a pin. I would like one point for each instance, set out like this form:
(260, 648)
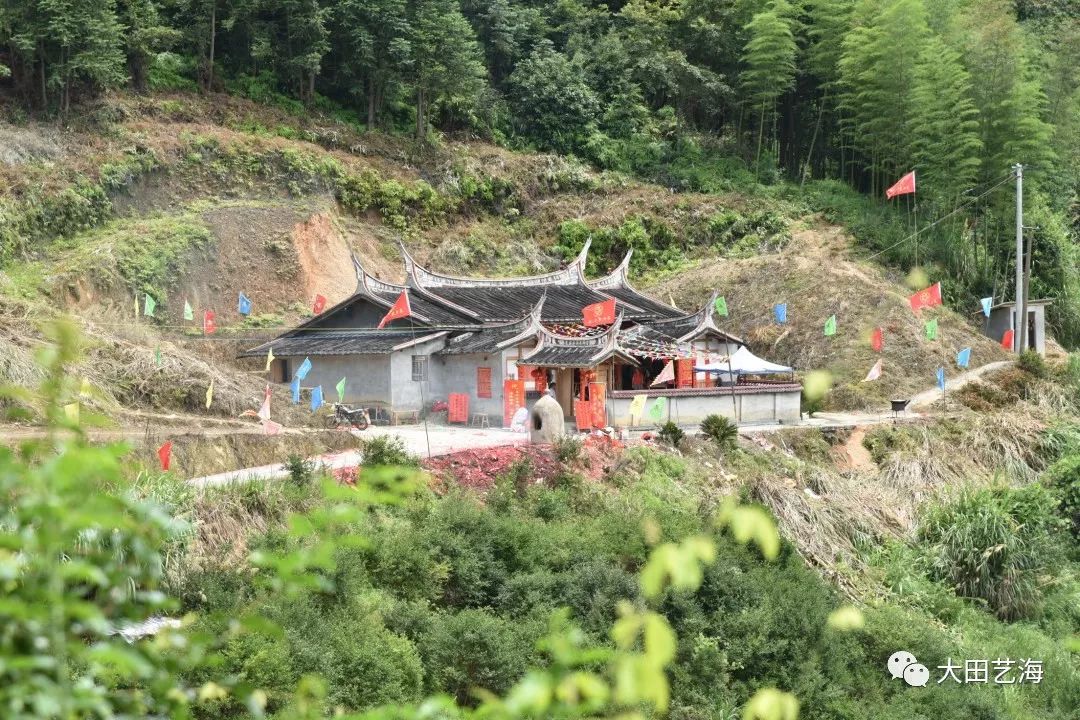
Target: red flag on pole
(320, 303)
(401, 309)
(929, 297)
(164, 454)
(208, 325)
(1007, 340)
(877, 340)
(903, 186)
(601, 313)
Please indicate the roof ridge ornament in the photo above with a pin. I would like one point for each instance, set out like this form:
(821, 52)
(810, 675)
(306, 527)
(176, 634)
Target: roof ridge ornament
(420, 277)
(368, 283)
(707, 321)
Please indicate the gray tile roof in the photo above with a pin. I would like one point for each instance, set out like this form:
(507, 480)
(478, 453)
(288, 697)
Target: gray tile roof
(368, 341)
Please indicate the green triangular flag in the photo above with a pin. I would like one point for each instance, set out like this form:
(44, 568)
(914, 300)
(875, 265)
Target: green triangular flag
(830, 326)
(721, 306)
(157, 356)
(656, 410)
(931, 330)
(148, 306)
(341, 390)
(189, 314)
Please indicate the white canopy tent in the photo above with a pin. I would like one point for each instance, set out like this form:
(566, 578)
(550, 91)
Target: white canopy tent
(742, 362)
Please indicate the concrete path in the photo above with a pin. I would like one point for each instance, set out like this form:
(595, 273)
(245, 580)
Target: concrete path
(443, 440)
(928, 397)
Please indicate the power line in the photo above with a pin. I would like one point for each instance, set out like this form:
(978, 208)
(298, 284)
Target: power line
(1009, 176)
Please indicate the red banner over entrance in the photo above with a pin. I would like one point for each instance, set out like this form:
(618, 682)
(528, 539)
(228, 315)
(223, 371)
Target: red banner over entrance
(458, 411)
(601, 313)
(513, 398)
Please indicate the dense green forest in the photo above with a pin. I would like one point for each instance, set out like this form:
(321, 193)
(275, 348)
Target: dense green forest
(688, 93)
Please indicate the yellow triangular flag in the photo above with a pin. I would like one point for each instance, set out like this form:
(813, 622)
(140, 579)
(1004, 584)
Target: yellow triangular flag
(210, 394)
(269, 358)
(71, 410)
(84, 388)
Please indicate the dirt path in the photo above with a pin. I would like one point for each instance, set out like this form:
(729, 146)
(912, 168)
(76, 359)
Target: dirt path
(854, 455)
(135, 423)
(928, 397)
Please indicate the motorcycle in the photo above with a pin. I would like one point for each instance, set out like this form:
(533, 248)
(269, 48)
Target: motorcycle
(345, 416)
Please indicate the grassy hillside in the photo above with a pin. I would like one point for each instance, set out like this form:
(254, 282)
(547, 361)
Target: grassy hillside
(188, 198)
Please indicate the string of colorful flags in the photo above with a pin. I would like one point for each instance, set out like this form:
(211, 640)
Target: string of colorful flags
(209, 318)
(164, 452)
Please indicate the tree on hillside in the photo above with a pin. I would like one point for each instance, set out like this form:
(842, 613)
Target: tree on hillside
(829, 21)
(80, 42)
(144, 34)
(202, 20)
(373, 37)
(508, 32)
(1007, 96)
(552, 102)
(445, 58)
(306, 43)
(944, 123)
(877, 71)
(769, 57)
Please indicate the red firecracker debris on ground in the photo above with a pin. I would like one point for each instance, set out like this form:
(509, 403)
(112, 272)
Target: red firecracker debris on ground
(346, 475)
(478, 469)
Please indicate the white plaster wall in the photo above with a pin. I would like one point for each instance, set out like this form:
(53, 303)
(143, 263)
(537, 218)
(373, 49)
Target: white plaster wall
(367, 377)
(748, 409)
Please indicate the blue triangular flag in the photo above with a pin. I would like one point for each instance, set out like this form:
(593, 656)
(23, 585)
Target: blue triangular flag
(780, 311)
(316, 398)
(304, 369)
(986, 302)
(244, 305)
(294, 386)
(963, 357)
(941, 378)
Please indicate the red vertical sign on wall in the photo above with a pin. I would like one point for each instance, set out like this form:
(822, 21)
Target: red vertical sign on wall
(597, 392)
(583, 414)
(513, 398)
(684, 372)
(459, 408)
(483, 382)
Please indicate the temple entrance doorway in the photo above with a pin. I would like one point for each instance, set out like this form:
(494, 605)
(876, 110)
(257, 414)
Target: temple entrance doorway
(564, 391)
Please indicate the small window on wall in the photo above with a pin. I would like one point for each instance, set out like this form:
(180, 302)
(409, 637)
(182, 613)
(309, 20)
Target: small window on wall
(419, 368)
(483, 382)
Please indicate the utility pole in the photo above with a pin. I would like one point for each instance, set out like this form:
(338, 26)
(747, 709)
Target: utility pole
(1024, 340)
(1018, 322)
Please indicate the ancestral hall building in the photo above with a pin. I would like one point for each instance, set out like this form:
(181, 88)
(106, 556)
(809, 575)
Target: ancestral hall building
(496, 344)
